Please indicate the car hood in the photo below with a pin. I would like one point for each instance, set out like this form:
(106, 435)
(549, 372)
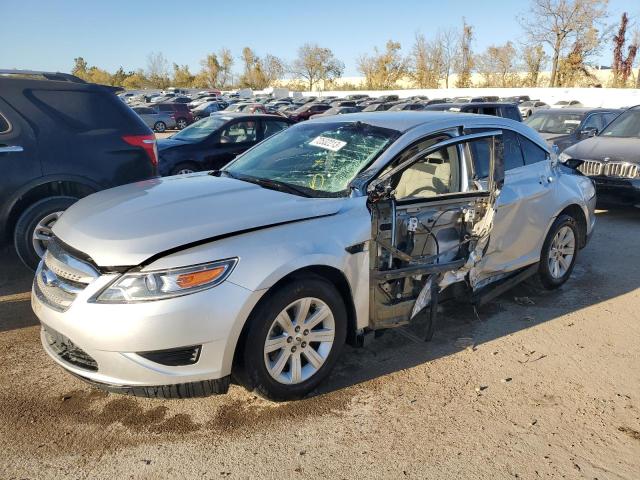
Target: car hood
(126, 225)
(551, 137)
(599, 148)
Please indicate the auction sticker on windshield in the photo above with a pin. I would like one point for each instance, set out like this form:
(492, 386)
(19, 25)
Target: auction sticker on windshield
(327, 143)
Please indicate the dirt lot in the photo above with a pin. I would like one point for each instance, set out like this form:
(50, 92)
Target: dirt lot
(549, 389)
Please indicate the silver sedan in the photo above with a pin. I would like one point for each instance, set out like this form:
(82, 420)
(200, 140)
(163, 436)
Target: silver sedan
(156, 120)
(320, 235)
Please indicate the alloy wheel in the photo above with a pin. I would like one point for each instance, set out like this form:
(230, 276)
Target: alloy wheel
(561, 252)
(42, 233)
(181, 124)
(299, 341)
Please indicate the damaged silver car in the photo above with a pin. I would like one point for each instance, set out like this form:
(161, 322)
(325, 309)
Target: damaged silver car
(325, 232)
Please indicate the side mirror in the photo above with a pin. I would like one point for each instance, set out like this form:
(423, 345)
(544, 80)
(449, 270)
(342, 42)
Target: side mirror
(588, 132)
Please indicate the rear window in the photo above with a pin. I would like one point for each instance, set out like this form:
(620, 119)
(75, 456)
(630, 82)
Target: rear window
(81, 110)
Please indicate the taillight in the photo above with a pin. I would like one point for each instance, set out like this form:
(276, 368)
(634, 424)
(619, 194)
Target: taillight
(148, 144)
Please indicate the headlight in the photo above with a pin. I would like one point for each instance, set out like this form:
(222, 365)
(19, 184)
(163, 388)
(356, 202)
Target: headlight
(563, 157)
(160, 284)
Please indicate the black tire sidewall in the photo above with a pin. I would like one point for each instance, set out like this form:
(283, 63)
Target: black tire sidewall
(254, 369)
(27, 223)
(547, 280)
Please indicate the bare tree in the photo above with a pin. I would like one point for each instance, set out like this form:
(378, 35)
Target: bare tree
(464, 59)
(498, 65)
(382, 70)
(447, 41)
(426, 62)
(273, 69)
(559, 23)
(226, 65)
(534, 59)
(314, 64)
(622, 67)
(158, 70)
(210, 73)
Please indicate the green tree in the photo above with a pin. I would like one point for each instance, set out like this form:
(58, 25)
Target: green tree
(182, 77)
(80, 68)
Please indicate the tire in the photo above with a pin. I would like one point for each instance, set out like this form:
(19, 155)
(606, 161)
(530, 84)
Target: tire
(561, 239)
(160, 127)
(184, 168)
(181, 123)
(42, 214)
(263, 324)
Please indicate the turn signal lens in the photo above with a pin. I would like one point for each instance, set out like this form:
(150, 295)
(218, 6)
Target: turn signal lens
(190, 280)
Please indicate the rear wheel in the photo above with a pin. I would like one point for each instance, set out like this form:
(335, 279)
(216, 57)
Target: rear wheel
(33, 230)
(294, 339)
(181, 123)
(559, 252)
(184, 168)
(160, 127)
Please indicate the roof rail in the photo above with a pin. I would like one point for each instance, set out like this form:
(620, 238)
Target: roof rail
(64, 77)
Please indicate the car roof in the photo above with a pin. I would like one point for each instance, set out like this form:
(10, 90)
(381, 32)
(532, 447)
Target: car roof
(251, 116)
(404, 121)
(584, 110)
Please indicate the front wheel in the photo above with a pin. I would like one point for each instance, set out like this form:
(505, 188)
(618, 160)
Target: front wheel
(559, 253)
(33, 230)
(160, 127)
(294, 339)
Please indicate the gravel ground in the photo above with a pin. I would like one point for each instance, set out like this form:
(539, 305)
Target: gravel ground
(534, 385)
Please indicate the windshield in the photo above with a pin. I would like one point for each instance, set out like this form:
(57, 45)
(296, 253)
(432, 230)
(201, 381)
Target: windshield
(626, 125)
(201, 129)
(526, 104)
(555, 122)
(322, 158)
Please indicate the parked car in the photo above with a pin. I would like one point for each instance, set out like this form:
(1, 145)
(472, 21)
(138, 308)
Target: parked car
(568, 126)
(380, 99)
(519, 99)
(506, 110)
(343, 103)
(308, 109)
(356, 97)
(185, 100)
(378, 107)
(200, 100)
(60, 140)
(435, 101)
(324, 233)
(529, 107)
(180, 111)
(611, 158)
(407, 106)
(336, 111)
(567, 104)
(206, 109)
(155, 120)
(214, 141)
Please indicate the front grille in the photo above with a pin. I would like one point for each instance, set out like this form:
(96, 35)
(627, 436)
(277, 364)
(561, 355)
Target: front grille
(67, 351)
(596, 168)
(174, 357)
(591, 168)
(61, 277)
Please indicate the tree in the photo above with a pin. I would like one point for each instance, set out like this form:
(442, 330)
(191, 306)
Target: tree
(464, 59)
(135, 80)
(80, 68)
(622, 66)
(118, 78)
(251, 69)
(425, 62)
(382, 70)
(210, 73)
(559, 23)
(534, 59)
(158, 70)
(99, 76)
(447, 41)
(273, 70)
(314, 64)
(226, 64)
(498, 65)
(182, 76)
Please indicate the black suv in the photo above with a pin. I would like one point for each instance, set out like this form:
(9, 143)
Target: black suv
(62, 139)
(497, 109)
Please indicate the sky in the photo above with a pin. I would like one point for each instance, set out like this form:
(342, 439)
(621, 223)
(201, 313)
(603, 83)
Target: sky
(49, 34)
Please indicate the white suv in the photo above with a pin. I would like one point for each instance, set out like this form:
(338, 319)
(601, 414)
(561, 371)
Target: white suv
(326, 231)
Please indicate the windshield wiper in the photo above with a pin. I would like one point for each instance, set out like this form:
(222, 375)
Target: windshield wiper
(263, 182)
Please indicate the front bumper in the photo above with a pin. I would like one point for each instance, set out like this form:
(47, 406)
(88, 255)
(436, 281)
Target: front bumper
(618, 189)
(114, 336)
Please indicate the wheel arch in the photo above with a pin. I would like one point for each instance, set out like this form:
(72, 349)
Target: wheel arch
(577, 213)
(43, 188)
(331, 274)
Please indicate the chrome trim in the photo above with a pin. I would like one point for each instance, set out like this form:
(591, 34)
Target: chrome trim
(67, 266)
(11, 149)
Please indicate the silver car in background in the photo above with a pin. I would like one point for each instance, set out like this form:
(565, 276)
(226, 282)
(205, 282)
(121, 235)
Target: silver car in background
(320, 235)
(156, 120)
